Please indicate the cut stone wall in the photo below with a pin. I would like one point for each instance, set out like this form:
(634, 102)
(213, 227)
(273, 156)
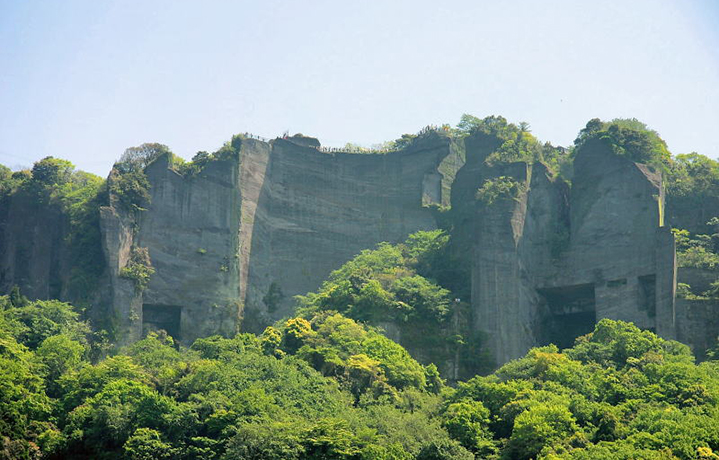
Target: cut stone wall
(541, 266)
(605, 233)
(281, 216)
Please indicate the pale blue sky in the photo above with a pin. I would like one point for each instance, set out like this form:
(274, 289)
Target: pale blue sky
(83, 80)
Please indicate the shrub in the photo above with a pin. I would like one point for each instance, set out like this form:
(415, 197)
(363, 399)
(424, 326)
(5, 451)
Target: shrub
(139, 268)
(500, 188)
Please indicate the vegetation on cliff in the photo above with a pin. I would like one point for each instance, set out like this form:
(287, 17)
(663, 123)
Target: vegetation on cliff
(412, 289)
(54, 186)
(515, 142)
(500, 188)
(692, 201)
(692, 186)
(628, 138)
(329, 383)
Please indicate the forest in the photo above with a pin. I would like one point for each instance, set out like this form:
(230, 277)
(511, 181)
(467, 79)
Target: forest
(329, 382)
(325, 386)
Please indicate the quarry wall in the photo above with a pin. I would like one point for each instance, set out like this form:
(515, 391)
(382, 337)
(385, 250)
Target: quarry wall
(233, 243)
(550, 261)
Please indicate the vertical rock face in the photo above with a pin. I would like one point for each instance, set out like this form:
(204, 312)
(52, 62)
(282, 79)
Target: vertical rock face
(33, 253)
(613, 200)
(122, 303)
(190, 230)
(236, 241)
(550, 261)
(317, 210)
(233, 243)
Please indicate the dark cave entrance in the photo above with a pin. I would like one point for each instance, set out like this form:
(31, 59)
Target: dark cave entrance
(162, 317)
(648, 294)
(570, 312)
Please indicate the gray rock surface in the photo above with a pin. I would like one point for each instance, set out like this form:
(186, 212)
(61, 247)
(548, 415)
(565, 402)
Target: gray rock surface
(279, 217)
(697, 318)
(317, 210)
(33, 253)
(551, 261)
(233, 243)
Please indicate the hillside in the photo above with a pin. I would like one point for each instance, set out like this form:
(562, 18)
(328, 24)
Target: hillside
(539, 241)
(328, 387)
(463, 293)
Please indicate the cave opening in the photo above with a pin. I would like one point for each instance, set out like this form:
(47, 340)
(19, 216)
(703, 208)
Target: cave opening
(570, 312)
(648, 294)
(162, 317)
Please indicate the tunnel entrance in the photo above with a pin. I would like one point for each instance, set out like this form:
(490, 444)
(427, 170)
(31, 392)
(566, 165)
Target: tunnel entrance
(570, 311)
(161, 317)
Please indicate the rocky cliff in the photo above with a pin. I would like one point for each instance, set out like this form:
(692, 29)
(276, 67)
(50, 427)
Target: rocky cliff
(33, 253)
(234, 240)
(550, 260)
(232, 244)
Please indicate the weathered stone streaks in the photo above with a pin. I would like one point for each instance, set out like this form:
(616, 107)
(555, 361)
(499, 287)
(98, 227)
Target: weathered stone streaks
(542, 262)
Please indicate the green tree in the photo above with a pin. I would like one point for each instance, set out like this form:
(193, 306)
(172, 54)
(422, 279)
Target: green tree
(444, 450)
(329, 439)
(147, 444)
(539, 427)
(131, 189)
(138, 158)
(59, 354)
(468, 422)
(266, 441)
(38, 320)
(51, 172)
(629, 138)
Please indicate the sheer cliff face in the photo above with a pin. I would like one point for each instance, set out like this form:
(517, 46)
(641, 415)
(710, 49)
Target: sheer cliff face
(550, 261)
(233, 244)
(33, 253)
(315, 211)
(190, 230)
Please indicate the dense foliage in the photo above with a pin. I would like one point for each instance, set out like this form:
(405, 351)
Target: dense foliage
(697, 251)
(692, 187)
(329, 383)
(497, 189)
(516, 142)
(411, 289)
(329, 388)
(54, 186)
(619, 393)
(247, 397)
(629, 138)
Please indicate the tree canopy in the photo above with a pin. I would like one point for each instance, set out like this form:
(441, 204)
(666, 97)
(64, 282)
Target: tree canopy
(327, 387)
(629, 138)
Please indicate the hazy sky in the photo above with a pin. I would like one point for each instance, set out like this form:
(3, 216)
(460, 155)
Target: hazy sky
(83, 80)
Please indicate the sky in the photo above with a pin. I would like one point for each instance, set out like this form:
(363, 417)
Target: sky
(84, 80)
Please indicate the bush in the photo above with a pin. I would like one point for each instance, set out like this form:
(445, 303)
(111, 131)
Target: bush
(628, 138)
(500, 188)
(139, 268)
(130, 189)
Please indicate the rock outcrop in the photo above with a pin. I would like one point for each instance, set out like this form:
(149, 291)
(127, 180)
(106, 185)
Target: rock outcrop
(33, 253)
(233, 242)
(548, 261)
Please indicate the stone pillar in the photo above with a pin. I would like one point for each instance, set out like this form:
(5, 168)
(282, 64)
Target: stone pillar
(666, 283)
